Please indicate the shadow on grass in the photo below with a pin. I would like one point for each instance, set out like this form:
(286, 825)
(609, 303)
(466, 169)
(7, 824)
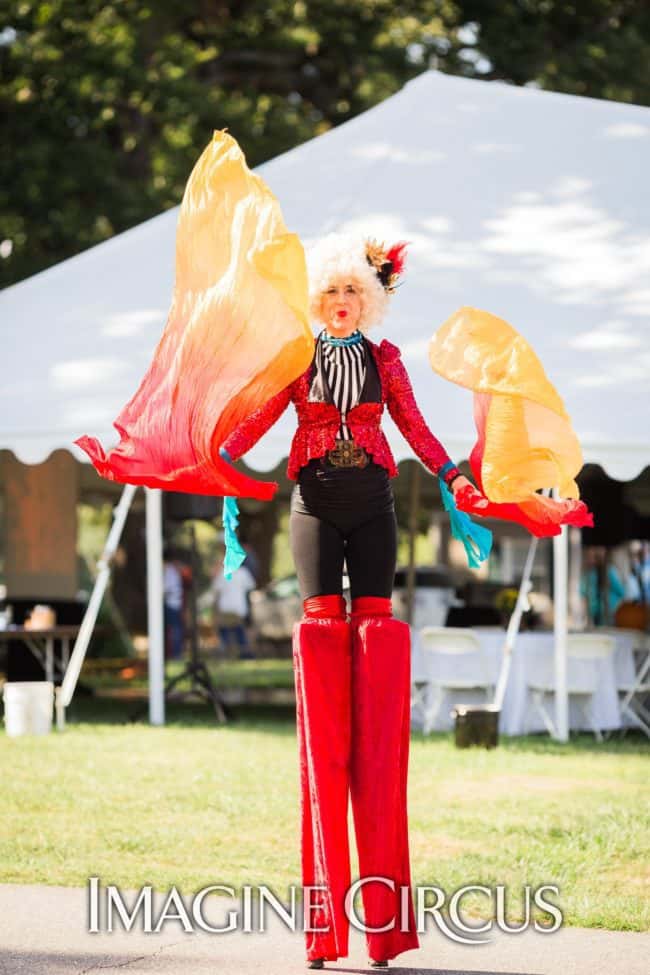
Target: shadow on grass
(634, 743)
(281, 720)
(106, 710)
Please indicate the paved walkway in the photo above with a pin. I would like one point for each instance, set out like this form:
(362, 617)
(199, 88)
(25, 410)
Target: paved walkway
(43, 931)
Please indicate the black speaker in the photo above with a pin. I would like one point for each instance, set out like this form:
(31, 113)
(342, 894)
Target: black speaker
(178, 506)
(473, 616)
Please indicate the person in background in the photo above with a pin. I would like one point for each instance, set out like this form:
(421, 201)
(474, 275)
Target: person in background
(252, 563)
(173, 604)
(231, 606)
(638, 582)
(601, 586)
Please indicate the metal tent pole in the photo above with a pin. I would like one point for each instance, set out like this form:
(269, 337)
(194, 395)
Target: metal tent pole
(155, 606)
(63, 693)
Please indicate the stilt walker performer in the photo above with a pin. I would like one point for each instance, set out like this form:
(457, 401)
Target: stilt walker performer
(352, 675)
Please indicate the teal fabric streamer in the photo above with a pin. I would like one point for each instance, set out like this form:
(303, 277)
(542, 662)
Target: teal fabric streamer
(235, 554)
(476, 539)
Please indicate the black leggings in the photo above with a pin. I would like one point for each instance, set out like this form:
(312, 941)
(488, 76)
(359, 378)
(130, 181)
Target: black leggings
(342, 514)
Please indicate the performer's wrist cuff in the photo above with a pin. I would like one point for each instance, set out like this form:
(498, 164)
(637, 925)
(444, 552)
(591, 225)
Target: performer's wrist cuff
(225, 454)
(448, 472)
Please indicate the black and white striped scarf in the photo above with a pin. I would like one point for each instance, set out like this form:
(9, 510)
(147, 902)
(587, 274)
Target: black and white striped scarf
(345, 371)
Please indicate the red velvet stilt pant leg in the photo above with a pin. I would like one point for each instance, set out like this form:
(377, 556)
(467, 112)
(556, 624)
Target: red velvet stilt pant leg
(381, 684)
(322, 662)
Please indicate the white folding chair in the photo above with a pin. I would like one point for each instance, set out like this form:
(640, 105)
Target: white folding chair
(634, 697)
(430, 687)
(580, 646)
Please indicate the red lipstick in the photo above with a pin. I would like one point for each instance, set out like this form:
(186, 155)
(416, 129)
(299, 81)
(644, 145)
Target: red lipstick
(342, 314)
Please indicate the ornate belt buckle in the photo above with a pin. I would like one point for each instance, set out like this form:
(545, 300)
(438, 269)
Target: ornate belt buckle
(348, 454)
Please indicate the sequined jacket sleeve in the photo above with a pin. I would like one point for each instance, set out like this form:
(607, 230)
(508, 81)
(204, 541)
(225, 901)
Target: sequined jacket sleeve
(256, 425)
(412, 425)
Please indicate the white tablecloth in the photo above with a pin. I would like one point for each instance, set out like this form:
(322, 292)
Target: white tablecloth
(532, 660)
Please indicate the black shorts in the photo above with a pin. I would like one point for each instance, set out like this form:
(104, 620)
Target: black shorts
(341, 514)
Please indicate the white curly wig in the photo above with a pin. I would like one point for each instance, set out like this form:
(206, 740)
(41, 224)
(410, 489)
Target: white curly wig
(339, 257)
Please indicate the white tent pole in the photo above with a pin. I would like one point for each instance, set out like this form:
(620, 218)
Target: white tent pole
(66, 690)
(521, 606)
(560, 597)
(155, 595)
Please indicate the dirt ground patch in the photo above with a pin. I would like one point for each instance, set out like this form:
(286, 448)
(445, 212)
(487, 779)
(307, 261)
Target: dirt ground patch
(632, 874)
(444, 845)
(502, 786)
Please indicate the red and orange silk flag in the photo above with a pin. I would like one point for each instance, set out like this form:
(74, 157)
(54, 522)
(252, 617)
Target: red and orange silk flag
(237, 333)
(525, 438)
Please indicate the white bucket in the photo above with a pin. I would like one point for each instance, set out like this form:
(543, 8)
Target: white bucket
(28, 707)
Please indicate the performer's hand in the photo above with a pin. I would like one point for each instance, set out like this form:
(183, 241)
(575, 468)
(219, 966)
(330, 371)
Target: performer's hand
(459, 483)
(474, 495)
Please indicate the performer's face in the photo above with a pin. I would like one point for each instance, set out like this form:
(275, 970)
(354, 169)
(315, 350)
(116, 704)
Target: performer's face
(341, 307)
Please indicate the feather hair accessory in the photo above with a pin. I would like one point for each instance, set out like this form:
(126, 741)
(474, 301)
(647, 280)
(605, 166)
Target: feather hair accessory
(388, 263)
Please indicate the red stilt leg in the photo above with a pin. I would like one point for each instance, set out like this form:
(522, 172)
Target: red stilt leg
(322, 664)
(381, 682)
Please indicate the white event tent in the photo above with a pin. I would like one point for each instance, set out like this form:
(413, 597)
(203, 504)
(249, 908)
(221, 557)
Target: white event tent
(529, 204)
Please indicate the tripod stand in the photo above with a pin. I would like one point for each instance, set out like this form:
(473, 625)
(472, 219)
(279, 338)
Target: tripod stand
(195, 668)
(201, 684)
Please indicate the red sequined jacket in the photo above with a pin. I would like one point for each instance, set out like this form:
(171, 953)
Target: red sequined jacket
(318, 422)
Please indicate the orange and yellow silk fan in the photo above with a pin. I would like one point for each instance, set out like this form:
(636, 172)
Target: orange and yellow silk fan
(237, 333)
(525, 438)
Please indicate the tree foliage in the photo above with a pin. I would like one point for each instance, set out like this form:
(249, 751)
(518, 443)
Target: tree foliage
(106, 106)
(594, 48)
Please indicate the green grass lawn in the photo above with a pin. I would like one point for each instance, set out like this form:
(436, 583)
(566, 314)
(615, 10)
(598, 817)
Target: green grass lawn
(195, 803)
